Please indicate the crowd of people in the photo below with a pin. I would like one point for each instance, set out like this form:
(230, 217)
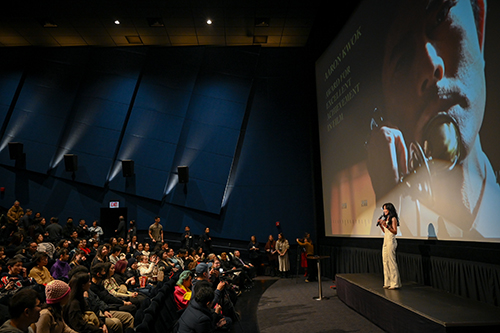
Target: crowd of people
(87, 282)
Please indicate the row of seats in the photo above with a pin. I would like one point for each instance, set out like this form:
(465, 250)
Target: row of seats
(160, 312)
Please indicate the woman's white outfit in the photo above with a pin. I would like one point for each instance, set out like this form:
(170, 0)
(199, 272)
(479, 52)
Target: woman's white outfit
(391, 272)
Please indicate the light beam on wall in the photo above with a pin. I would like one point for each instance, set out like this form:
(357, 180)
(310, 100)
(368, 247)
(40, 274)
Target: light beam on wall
(126, 154)
(76, 134)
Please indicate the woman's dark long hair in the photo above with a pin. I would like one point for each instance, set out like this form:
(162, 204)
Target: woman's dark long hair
(107, 266)
(76, 284)
(392, 212)
(99, 252)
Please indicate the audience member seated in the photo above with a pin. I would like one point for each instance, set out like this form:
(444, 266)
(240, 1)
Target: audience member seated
(145, 266)
(74, 240)
(16, 244)
(182, 291)
(63, 244)
(82, 245)
(114, 257)
(248, 271)
(40, 273)
(43, 246)
(198, 317)
(101, 255)
(15, 279)
(68, 228)
(97, 229)
(164, 266)
(79, 258)
(225, 262)
(54, 230)
(133, 244)
(146, 251)
(76, 313)
(82, 229)
(117, 290)
(98, 273)
(51, 320)
(60, 269)
(30, 252)
(116, 321)
(138, 250)
(24, 310)
(173, 261)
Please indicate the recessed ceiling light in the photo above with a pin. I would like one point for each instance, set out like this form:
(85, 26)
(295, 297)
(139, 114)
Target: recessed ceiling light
(134, 39)
(117, 22)
(209, 21)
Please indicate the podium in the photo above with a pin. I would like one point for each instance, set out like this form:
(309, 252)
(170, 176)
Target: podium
(320, 290)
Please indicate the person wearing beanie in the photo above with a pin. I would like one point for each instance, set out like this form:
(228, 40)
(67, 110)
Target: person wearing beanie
(182, 291)
(51, 317)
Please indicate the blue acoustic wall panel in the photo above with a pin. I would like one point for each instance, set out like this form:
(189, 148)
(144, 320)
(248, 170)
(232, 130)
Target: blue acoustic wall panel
(152, 133)
(10, 80)
(44, 105)
(212, 127)
(98, 115)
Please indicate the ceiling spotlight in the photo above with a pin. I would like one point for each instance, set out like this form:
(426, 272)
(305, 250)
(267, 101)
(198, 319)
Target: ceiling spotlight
(117, 22)
(209, 21)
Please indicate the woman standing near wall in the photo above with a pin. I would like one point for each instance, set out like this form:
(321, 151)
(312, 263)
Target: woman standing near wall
(312, 269)
(389, 224)
(282, 247)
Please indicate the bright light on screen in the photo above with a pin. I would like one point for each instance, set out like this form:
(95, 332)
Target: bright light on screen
(406, 116)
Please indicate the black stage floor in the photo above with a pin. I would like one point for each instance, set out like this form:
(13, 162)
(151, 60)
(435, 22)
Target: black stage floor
(288, 306)
(415, 308)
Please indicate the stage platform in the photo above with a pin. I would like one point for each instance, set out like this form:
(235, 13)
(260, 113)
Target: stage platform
(415, 308)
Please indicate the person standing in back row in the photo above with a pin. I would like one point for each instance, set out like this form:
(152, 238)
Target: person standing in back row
(156, 231)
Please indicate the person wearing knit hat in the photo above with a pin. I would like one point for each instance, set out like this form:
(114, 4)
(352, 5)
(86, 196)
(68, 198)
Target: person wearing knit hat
(182, 291)
(55, 291)
(51, 317)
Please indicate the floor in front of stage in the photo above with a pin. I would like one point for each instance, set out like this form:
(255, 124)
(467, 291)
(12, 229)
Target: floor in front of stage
(288, 305)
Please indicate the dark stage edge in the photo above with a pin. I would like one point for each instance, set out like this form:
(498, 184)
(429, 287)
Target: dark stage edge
(415, 308)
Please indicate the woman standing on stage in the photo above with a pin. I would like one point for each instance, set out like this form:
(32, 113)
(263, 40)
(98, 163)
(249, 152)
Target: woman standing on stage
(282, 247)
(389, 224)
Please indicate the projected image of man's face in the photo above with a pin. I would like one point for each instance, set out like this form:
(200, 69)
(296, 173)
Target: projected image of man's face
(434, 63)
(426, 150)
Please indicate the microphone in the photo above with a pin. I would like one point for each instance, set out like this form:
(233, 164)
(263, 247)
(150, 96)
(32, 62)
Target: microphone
(380, 218)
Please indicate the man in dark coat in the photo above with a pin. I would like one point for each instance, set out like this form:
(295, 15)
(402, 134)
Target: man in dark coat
(198, 317)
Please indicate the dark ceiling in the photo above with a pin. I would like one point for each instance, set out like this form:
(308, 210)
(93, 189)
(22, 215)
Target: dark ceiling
(271, 23)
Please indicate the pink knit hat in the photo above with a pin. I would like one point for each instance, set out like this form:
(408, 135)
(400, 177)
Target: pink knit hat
(55, 291)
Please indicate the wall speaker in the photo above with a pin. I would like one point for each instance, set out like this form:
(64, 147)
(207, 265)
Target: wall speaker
(128, 168)
(71, 162)
(15, 150)
(183, 172)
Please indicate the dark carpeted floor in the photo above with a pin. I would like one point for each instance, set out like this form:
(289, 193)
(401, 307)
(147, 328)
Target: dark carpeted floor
(287, 305)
